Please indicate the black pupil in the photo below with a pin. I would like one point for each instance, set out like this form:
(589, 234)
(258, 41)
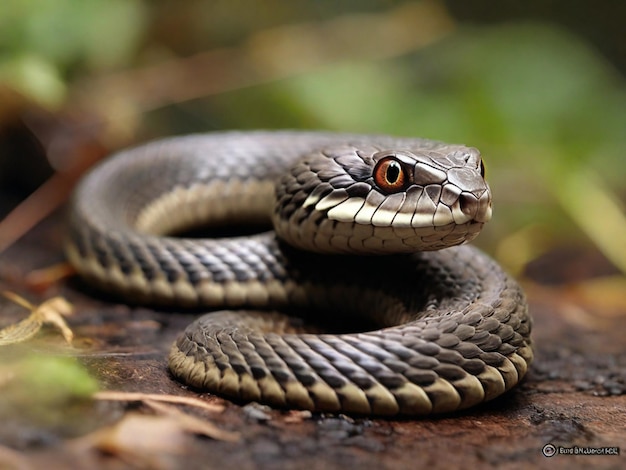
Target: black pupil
(393, 172)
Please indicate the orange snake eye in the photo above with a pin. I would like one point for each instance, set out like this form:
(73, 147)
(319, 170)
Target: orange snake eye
(390, 175)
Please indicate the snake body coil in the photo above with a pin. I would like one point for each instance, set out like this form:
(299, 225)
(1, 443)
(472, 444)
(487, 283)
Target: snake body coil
(438, 330)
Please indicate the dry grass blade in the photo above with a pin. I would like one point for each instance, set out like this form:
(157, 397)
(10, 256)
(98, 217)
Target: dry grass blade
(33, 210)
(41, 279)
(142, 397)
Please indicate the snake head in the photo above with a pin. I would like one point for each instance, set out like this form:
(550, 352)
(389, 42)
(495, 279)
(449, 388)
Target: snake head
(365, 199)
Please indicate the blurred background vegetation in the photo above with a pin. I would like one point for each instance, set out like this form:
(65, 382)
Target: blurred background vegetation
(538, 86)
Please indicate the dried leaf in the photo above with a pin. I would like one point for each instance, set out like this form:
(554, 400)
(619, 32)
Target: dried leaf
(187, 422)
(193, 424)
(146, 440)
(50, 312)
(12, 459)
(137, 435)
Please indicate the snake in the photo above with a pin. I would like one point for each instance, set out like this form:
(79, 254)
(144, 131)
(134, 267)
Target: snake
(330, 271)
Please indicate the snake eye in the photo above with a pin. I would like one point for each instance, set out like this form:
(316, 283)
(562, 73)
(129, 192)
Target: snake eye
(390, 175)
(482, 169)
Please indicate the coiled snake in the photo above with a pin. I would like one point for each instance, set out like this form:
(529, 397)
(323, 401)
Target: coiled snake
(413, 331)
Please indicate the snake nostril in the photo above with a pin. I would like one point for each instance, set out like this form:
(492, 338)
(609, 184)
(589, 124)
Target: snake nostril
(468, 204)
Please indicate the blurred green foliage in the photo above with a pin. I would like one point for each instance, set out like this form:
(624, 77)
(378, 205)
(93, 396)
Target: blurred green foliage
(42, 42)
(45, 391)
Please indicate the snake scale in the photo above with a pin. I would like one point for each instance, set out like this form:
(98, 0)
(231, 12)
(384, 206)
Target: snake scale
(363, 298)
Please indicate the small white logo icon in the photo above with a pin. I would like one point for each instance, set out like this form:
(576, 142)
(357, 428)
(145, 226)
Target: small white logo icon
(548, 450)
